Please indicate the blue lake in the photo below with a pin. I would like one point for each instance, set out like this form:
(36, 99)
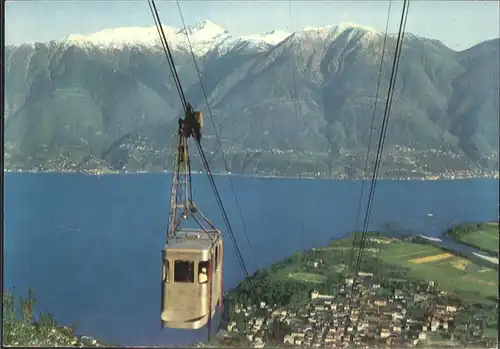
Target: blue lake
(90, 246)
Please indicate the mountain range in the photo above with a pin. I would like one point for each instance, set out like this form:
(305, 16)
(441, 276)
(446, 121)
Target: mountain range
(282, 103)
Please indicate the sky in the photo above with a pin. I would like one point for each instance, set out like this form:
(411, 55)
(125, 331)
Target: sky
(458, 24)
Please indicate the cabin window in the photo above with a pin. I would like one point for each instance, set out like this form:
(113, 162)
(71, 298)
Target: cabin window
(217, 256)
(184, 271)
(203, 272)
(166, 268)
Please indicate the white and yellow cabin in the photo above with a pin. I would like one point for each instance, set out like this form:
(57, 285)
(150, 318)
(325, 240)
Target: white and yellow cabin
(192, 278)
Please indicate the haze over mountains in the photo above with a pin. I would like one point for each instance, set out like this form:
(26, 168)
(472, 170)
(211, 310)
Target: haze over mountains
(284, 103)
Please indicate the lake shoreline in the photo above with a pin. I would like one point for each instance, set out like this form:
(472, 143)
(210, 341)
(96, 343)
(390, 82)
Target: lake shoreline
(420, 179)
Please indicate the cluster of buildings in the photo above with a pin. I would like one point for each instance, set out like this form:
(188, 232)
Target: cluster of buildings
(405, 162)
(375, 317)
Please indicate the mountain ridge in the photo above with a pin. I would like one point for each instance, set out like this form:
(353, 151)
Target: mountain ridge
(273, 104)
(205, 30)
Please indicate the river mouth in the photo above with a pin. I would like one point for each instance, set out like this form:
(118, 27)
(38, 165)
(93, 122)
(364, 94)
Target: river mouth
(443, 240)
(462, 250)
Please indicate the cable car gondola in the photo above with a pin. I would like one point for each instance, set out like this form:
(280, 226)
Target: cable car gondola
(192, 274)
(192, 258)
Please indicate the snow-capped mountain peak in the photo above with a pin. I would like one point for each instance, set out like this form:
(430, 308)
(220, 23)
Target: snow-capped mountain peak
(274, 36)
(119, 37)
(205, 29)
(333, 31)
(204, 37)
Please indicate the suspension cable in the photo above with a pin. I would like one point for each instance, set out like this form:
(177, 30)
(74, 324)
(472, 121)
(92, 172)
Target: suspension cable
(385, 121)
(168, 53)
(397, 56)
(365, 171)
(223, 211)
(378, 255)
(226, 219)
(175, 75)
(212, 119)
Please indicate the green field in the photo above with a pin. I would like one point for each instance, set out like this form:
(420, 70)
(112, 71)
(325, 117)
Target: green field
(485, 238)
(468, 283)
(307, 277)
(292, 273)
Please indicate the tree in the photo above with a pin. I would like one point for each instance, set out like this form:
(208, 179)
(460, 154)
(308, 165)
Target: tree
(27, 307)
